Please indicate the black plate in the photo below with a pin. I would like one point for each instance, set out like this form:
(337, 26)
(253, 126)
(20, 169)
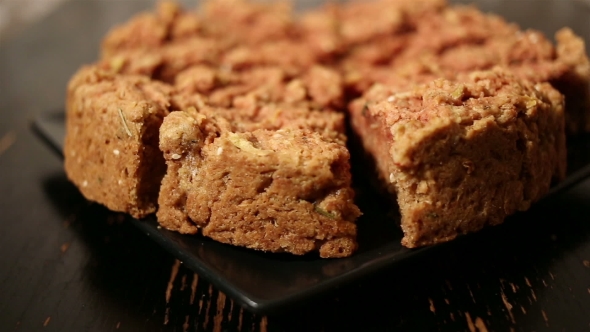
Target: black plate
(263, 282)
(268, 282)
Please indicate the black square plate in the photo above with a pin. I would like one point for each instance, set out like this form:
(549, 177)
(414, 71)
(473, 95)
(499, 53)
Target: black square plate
(263, 282)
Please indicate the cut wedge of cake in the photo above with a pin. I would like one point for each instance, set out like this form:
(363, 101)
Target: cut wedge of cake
(463, 154)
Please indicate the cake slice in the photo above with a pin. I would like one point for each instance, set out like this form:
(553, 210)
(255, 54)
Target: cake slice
(111, 147)
(465, 153)
(285, 190)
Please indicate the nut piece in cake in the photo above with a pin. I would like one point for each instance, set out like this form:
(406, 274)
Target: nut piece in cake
(111, 145)
(279, 191)
(462, 154)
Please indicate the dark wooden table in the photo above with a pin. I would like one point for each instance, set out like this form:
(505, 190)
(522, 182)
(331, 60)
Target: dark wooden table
(67, 265)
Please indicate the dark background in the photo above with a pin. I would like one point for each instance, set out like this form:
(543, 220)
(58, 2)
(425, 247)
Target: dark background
(68, 265)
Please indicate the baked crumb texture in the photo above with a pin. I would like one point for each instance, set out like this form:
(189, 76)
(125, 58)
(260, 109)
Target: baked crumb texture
(465, 153)
(253, 99)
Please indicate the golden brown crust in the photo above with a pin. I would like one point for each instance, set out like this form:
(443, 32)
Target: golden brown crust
(318, 87)
(449, 40)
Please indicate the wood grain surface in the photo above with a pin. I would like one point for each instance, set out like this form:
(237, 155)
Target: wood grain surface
(69, 265)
